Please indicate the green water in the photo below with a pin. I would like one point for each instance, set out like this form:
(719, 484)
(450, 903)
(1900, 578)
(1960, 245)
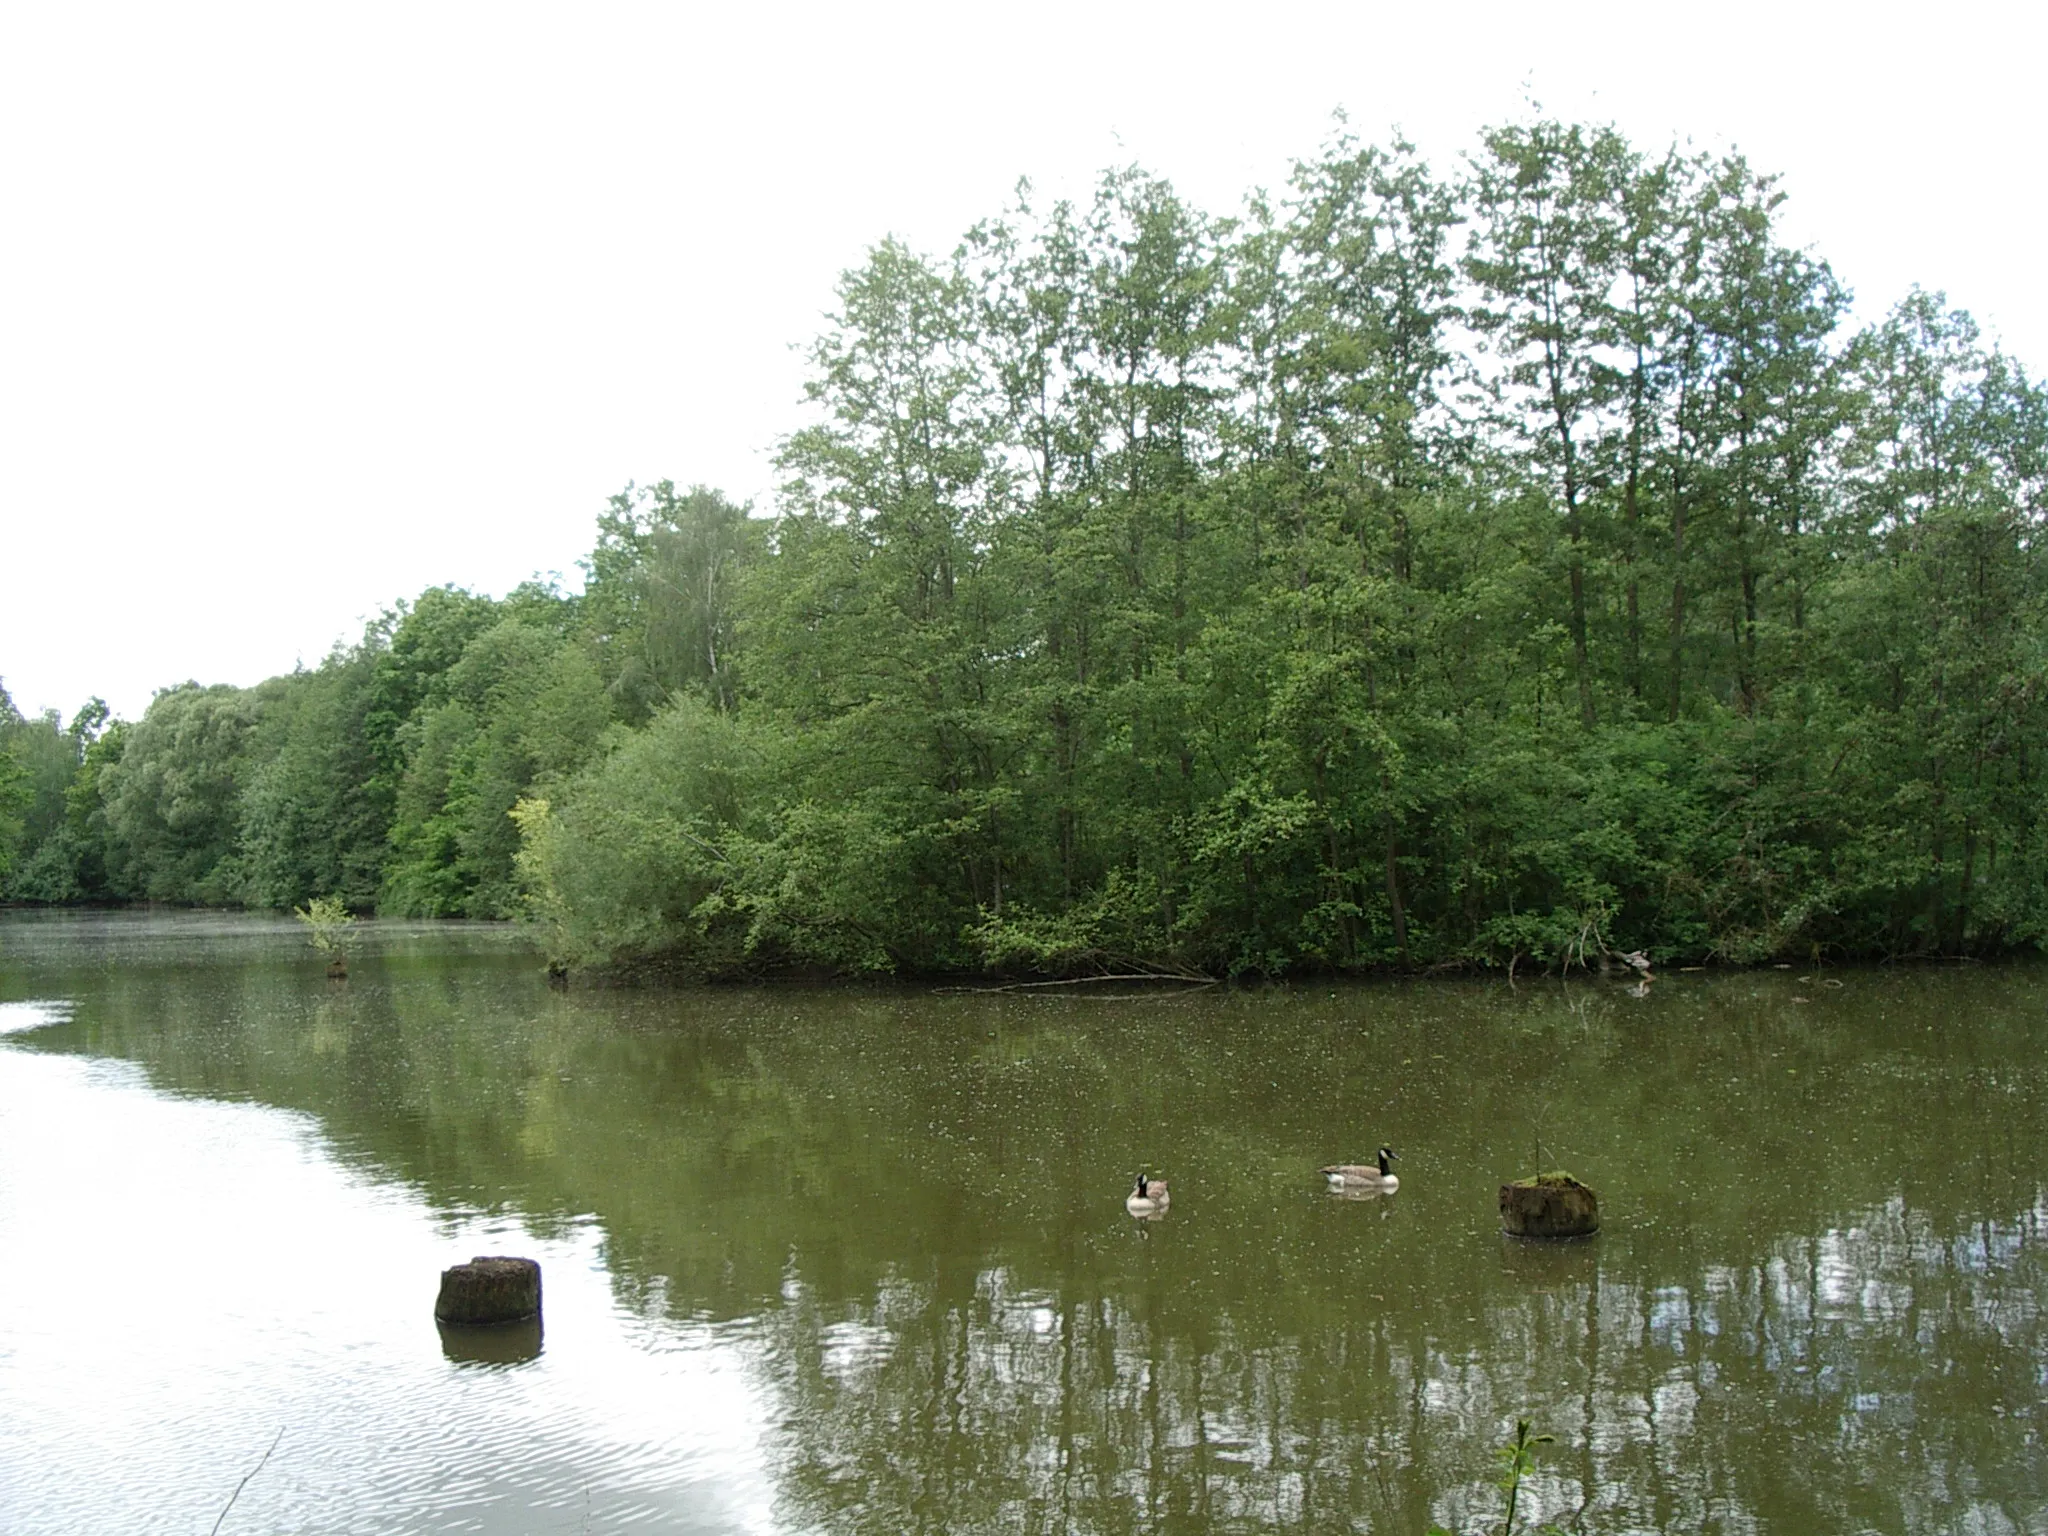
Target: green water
(857, 1260)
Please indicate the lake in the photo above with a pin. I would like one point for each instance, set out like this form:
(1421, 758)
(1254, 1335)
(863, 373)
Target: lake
(840, 1259)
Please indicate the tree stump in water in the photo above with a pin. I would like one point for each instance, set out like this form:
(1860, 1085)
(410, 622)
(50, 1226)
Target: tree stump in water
(1549, 1205)
(489, 1290)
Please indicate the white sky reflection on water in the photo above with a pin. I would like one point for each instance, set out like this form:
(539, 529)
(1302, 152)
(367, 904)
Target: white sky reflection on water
(185, 1277)
(35, 1013)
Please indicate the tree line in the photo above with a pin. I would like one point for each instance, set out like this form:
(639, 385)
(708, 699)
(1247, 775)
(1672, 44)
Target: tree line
(1414, 568)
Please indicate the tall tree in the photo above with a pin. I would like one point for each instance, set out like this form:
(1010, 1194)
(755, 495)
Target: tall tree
(663, 594)
(1548, 245)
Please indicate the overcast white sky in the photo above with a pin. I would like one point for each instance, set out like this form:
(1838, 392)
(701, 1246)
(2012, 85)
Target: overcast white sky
(304, 308)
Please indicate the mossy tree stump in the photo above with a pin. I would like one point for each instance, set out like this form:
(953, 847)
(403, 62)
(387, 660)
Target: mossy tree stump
(1549, 1205)
(487, 1291)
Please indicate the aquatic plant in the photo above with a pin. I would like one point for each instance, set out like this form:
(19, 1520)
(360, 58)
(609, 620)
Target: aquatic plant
(328, 922)
(1517, 1459)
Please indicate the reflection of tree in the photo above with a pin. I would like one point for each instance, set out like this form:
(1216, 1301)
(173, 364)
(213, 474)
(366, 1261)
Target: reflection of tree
(1818, 1303)
(1770, 1392)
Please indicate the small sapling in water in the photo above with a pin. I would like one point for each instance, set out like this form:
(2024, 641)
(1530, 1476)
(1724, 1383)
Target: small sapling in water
(328, 923)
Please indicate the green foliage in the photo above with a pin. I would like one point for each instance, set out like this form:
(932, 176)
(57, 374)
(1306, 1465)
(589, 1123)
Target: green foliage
(1509, 569)
(17, 788)
(41, 858)
(172, 799)
(86, 826)
(385, 777)
(327, 921)
(52, 826)
(1516, 1459)
(1152, 588)
(312, 818)
(520, 706)
(661, 602)
(642, 863)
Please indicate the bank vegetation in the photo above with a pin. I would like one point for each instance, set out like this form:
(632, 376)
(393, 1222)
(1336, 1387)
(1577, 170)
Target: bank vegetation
(1415, 568)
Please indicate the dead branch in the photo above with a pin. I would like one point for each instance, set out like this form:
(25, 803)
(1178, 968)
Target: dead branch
(1188, 979)
(243, 1484)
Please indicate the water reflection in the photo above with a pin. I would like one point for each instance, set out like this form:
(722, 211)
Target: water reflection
(1817, 1302)
(502, 1344)
(33, 1013)
(186, 1279)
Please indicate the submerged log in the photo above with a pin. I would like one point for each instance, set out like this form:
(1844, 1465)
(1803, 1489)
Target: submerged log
(489, 1290)
(1549, 1205)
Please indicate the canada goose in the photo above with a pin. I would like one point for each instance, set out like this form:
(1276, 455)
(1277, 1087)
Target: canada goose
(1362, 1176)
(1147, 1198)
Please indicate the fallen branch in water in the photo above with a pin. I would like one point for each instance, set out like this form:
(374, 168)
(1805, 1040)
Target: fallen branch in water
(1187, 979)
(243, 1484)
(1135, 997)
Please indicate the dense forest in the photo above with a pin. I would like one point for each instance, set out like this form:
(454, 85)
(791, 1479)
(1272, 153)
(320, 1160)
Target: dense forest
(1413, 569)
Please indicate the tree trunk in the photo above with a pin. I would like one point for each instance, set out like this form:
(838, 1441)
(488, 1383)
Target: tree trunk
(1677, 604)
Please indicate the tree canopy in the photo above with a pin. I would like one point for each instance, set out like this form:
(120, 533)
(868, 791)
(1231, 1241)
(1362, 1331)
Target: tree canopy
(1413, 568)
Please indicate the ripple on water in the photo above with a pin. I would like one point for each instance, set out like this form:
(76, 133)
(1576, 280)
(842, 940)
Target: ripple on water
(209, 1275)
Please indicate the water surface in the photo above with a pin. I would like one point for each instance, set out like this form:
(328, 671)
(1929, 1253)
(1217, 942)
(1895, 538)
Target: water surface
(844, 1260)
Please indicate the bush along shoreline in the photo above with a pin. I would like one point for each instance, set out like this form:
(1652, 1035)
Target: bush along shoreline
(1514, 566)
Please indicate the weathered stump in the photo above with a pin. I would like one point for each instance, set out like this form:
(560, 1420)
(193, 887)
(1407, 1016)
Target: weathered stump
(1549, 1205)
(489, 1290)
